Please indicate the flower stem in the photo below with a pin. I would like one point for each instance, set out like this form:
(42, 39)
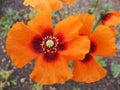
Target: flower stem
(94, 7)
(96, 24)
(60, 16)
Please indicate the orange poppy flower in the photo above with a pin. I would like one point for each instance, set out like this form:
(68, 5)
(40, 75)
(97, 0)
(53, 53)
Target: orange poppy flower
(111, 19)
(50, 49)
(102, 44)
(41, 4)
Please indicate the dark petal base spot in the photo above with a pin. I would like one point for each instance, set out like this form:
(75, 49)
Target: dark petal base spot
(82, 34)
(87, 58)
(106, 17)
(62, 46)
(50, 56)
(47, 32)
(92, 47)
(36, 44)
(60, 37)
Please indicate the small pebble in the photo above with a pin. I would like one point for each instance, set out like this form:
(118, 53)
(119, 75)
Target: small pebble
(4, 50)
(3, 59)
(22, 80)
(30, 81)
(2, 47)
(52, 88)
(14, 68)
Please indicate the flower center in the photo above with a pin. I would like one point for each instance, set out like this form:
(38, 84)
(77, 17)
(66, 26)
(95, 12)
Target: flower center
(49, 43)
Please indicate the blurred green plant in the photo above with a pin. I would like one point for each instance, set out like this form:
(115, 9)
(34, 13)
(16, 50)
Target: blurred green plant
(76, 88)
(28, 15)
(9, 18)
(71, 66)
(101, 61)
(118, 88)
(4, 79)
(105, 10)
(118, 35)
(37, 86)
(94, 6)
(32, 14)
(115, 70)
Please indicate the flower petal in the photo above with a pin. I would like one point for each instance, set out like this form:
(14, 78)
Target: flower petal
(87, 20)
(31, 2)
(41, 22)
(37, 4)
(69, 27)
(111, 18)
(88, 71)
(104, 41)
(68, 1)
(115, 32)
(18, 44)
(77, 48)
(55, 4)
(43, 4)
(46, 72)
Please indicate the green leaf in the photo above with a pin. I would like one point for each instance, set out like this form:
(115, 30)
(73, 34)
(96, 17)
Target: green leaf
(13, 82)
(93, 3)
(5, 74)
(32, 14)
(106, 8)
(115, 70)
(10, 17)
(101, 61)
(118, 35)
(71, 65)
(37, 87)
(76, 88)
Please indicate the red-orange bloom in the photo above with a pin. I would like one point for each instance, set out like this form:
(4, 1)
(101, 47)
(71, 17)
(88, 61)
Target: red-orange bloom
(111, 19)
(41, 4)
(102, 44)
(50, 49)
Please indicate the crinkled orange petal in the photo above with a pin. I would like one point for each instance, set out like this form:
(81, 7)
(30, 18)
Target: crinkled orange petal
(37, 4)
(41, 22)
(87, 20)
(77, 48)
(31, 2)
(18, 45)
(55, 4)
(50, 72)
(111, 18)
(68, 27)
(43, 4)
(104, 41)
(88, 71)
(68, 1)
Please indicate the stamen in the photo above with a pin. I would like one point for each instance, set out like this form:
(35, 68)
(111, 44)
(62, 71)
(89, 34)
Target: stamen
(49, 43)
